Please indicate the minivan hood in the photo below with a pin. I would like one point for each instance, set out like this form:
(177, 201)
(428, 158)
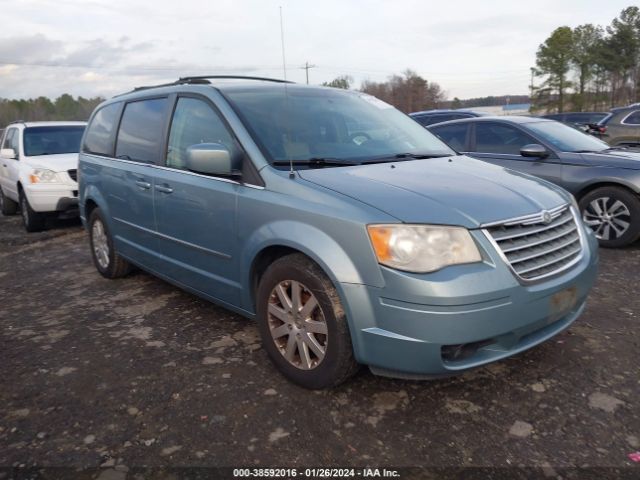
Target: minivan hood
(58, 163)
(454, 190)
(614, 158)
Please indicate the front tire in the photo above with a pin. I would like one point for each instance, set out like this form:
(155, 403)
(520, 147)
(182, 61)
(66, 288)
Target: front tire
(7, 206)
(613, 213)
(302, 324)
(32, 221)
(107, 261)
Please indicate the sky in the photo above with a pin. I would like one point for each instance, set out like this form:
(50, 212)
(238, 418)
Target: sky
(471, 48)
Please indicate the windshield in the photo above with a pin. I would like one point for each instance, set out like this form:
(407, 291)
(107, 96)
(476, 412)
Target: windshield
(52, 140)
(318, 123)
(565, 138)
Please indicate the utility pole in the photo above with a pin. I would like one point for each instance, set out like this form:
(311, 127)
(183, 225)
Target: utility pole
(533, 71)
(307, 67)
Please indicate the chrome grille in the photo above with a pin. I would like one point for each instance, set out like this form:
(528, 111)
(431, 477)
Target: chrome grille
(535, 248)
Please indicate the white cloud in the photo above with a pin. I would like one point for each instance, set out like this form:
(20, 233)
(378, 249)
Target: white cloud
(96, 47)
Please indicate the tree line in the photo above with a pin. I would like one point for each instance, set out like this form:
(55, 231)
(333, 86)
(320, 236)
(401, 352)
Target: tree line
(408, 92)
(65, 107)
(589, 67)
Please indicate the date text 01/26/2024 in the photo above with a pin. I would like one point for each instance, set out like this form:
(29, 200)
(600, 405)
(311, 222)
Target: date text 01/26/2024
(315, 473)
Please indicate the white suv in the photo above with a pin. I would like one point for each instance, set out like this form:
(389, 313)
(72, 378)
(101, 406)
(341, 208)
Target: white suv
(38, 170)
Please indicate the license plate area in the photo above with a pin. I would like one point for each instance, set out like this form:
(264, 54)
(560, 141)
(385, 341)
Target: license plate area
(562, 302)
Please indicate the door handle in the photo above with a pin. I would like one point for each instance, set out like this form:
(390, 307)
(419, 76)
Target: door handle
(143, 184)
(164, 189)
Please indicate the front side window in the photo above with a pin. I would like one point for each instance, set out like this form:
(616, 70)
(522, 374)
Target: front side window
(302, 124)
(633, 119)
(52, 140)
(99, 138)
(502, 139)
(8, 140)
(140, 133)
(453, 135)
(195, 122)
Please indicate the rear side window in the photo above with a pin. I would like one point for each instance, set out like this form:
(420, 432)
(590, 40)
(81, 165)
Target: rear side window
(424, 121)
(633, 119)
(496, 138)
(99, 137)
(194, 122)
(140, 133)
(453, 135)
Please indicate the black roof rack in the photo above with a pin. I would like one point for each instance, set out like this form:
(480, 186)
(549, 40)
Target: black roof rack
(204, 80)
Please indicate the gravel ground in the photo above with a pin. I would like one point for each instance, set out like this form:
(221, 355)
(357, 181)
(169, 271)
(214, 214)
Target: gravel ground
(130, 373)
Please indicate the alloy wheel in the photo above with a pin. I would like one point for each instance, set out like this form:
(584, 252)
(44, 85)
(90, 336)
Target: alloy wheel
(297, 324)
(608, 217)
(100, 244)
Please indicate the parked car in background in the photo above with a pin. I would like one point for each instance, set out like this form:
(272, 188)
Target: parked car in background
(38, 168)
(580, 120)
(336, 222)
(431, 117)
(620, 128)
(604, 180)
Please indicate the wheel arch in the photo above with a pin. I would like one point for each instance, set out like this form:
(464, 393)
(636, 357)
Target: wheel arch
(90, 200)
(608, 183)
(275, 240)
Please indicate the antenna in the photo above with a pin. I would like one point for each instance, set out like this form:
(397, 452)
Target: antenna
(292, 174)
(284, 63)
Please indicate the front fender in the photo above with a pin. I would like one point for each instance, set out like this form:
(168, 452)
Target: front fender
(315, 243)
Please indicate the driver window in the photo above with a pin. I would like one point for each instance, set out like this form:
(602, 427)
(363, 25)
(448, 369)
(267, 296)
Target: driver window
(9, 140)
(194, 122)
(503, 139)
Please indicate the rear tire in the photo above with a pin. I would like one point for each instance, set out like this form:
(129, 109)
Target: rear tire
(107, 261)
(7, 206)
(613, 213)
(32, 221)
(302, 324)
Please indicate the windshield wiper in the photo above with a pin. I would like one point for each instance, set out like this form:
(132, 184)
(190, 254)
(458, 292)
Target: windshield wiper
(409, 156)
(316, 162)
(420, 156)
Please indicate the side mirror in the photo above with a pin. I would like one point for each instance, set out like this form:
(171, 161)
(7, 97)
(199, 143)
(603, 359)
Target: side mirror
(211, 159)
(534, 150)
(8, 153)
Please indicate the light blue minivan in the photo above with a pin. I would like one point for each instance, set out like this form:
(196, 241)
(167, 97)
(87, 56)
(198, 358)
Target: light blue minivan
(351, 234)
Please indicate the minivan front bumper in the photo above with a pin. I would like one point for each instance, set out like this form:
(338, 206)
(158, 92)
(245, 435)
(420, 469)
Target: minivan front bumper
(461, 317)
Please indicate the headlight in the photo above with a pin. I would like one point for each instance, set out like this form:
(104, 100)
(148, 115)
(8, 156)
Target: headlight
(40, 175)
(422, 248)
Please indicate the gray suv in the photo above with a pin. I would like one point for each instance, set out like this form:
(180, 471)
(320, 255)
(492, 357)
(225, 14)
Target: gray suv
(621, 128)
